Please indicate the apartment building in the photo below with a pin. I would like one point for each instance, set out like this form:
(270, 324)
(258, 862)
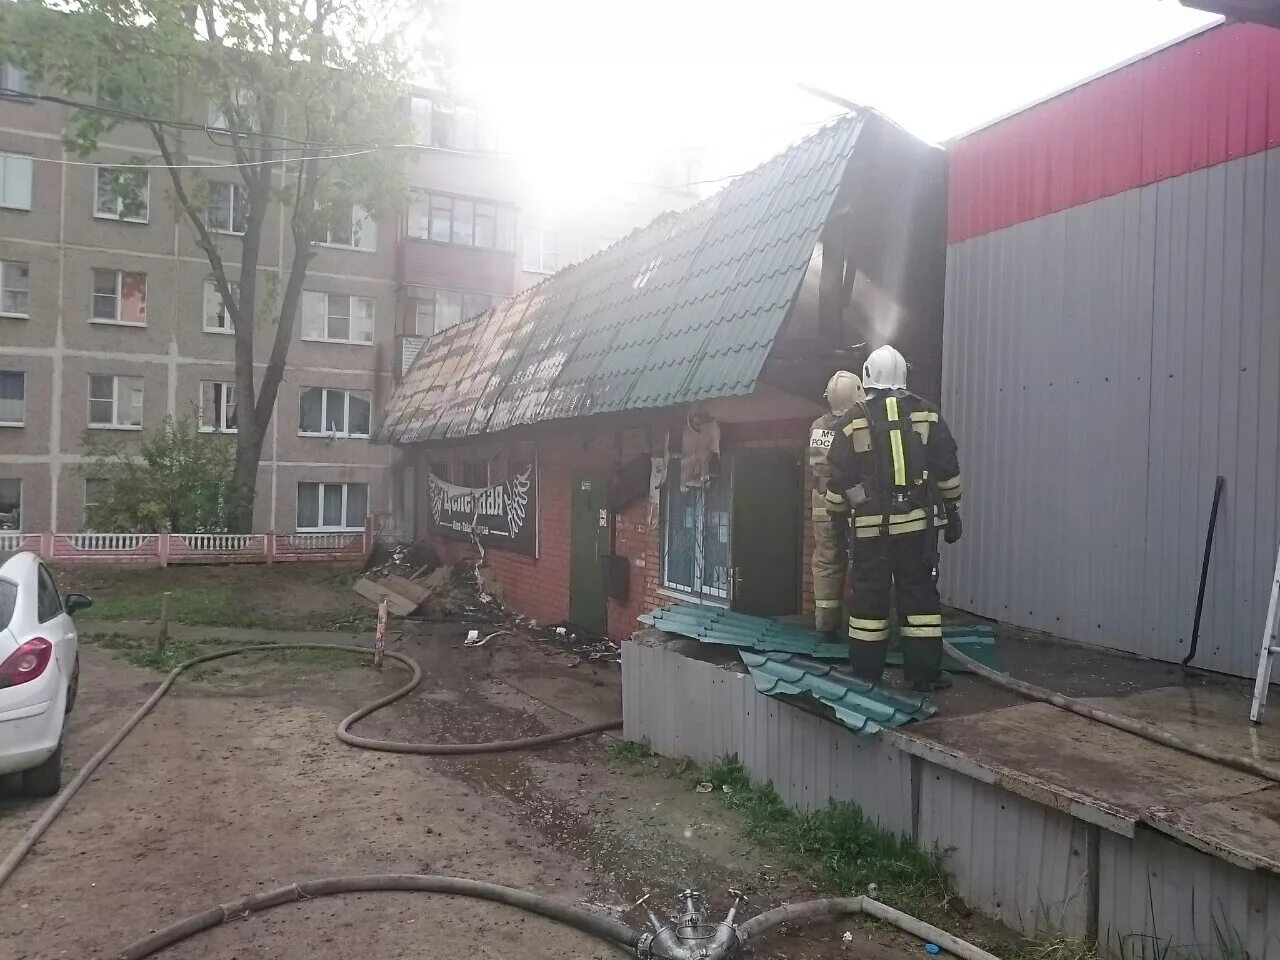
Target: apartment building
(109, 320)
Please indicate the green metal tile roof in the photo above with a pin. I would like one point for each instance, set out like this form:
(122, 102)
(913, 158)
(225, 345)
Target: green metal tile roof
(860, 706)
(684, 309)
(716, 625)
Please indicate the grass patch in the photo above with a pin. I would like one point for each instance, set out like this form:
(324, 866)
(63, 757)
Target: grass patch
(629, 751)
(219, 605)
(837, 846)
(143, 652)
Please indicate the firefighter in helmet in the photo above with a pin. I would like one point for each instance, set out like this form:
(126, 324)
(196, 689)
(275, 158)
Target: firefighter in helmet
(893, 463)
(830, 520)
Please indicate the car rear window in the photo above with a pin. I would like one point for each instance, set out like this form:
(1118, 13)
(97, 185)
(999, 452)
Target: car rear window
(8, 599)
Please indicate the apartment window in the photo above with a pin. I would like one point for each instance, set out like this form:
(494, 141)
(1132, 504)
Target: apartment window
(216, 317)
(245, 118)
(115, 402)
(15, 288)
(475, 474)
(329, 412)
(10, 504)
(119, 297)
(420, 112)
(13, 81)
(438, 309)
(13, 398)
(217, 407)
(228, 210)
(16, 172)
(361, 235)
(337, 317)
(541, 251)
(332, 506)
(459, 128)
(122, 194)
(95, 490)
(463, 221)
(695, 537)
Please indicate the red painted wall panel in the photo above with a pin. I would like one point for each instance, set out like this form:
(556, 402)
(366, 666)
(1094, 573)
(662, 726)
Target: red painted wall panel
(1206, 100)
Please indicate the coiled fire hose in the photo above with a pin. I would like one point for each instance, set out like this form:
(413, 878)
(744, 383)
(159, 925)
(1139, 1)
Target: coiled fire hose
(604, 928)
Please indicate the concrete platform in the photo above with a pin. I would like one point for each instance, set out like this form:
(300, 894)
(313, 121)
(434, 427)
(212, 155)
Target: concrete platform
(1054, 823)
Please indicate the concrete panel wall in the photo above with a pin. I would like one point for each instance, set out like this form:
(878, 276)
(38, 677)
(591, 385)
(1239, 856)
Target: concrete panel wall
(1102, 366)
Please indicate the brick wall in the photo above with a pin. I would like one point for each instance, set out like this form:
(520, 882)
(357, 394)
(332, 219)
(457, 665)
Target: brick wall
(540, 587)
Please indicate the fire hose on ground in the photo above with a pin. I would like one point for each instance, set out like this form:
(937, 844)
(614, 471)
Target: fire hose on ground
(692, 938)
(1138, 728)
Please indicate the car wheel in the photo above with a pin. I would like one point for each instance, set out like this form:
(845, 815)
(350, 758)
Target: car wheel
(74, 686)
(46, 779)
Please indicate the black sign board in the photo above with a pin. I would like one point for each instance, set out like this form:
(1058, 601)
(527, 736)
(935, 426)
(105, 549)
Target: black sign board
(504, 515)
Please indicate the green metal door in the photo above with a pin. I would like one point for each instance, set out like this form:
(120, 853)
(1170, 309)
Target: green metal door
(589, 543)
(766, 532)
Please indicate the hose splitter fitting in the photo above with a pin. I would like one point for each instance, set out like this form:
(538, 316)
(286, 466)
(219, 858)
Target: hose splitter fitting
(692, 938)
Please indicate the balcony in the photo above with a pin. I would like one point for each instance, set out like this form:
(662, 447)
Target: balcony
(425, 263)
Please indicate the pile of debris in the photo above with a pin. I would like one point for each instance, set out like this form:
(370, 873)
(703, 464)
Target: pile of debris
(431, 591)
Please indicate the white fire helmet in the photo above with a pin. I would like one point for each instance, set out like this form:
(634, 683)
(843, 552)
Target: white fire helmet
(843, 391)
(885, 369)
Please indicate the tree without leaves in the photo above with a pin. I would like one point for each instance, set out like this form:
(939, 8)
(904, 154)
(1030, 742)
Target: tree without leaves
(302, 81)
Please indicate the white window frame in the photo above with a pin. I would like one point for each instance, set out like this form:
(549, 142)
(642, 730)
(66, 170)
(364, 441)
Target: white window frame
(14, 82)
(215, 306)
(119, 295)
(87, 503)
(320, 485)
(21, 493)
(329, 315)
(120, 205)
(539, 262)
(345, 433)
(5, 286)
(9, 163)
(363, 225)
(237, 192)
(699, 591)
(228, 402)
(505, 220)
(119, 383)
(23, 421)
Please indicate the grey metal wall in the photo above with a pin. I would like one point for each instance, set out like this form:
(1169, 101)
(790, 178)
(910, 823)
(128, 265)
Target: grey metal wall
(1101, 366)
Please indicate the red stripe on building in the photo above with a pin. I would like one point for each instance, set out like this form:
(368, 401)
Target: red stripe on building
(1211, 98)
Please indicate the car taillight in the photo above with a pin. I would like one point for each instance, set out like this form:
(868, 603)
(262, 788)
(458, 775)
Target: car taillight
(26, 663)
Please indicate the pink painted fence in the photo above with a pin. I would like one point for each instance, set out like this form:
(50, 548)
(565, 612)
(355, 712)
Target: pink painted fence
(162, 549)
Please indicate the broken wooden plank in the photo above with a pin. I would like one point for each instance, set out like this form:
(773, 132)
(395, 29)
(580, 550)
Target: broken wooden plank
(398, 605)
(415, 592)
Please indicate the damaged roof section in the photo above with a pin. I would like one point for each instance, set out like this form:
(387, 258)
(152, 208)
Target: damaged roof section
(685, 309)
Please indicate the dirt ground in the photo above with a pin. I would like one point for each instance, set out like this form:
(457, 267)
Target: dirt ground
(238, 785)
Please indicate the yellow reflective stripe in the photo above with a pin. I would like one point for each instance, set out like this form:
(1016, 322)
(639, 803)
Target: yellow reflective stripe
(859, 424)
(861, 623)
(924, 416)
(915, 526)
(827, 604)
(895, 443)
(922, 429)
(894, 518)
(924, 619)
(927, 633)
(869, 636)
(819, 512)
(952, 484)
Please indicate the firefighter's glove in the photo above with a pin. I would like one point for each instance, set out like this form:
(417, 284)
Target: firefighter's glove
(954, 528)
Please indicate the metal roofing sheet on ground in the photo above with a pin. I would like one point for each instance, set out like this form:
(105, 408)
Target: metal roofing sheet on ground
(684, 309)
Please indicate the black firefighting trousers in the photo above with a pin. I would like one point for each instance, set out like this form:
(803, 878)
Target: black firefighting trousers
(878, 565)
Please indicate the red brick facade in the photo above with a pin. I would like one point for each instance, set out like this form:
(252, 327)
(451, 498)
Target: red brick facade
(540, 587)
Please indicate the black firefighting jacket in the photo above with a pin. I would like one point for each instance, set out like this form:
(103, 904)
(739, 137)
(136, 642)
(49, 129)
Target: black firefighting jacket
(893, 463)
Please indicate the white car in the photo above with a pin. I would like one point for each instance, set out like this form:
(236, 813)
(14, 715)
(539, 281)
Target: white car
(39, 671)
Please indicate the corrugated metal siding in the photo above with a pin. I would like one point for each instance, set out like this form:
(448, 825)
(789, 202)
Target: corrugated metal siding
(1156, 894)
(1211, 98)
(1020, 862)
(1101, 366)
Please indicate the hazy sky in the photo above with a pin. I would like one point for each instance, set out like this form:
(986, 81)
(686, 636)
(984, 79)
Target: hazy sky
(588, 86)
